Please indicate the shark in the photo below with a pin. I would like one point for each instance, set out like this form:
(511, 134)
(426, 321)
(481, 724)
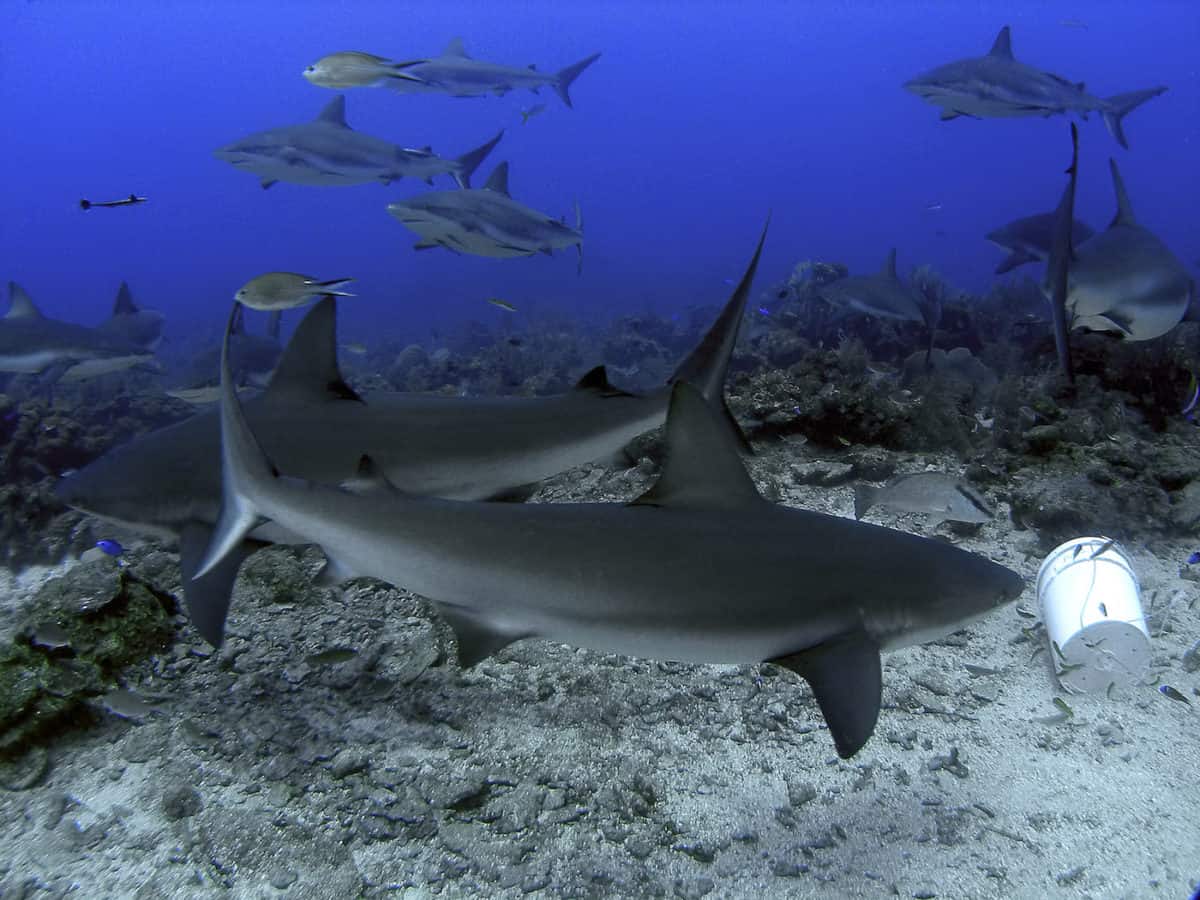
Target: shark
(454, 73)
(327, 151)
(485, 222)
(998, 85)
(32, 343)
(255, 357)
(168, 483)
(1124, 280)
(131, 323)
(699, 569)
(1029, 239)
(882, 295)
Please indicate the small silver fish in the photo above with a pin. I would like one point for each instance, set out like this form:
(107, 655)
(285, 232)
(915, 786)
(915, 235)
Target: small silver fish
(126, 704)
(356, 348)
(283, 290)
(50, 636)
(936, 494)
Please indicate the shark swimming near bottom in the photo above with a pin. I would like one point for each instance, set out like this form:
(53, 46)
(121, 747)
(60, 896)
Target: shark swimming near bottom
(485, 222)
(1124, 280)
(32, 343)
(168, 483)
(701, 568)
(1029, 239)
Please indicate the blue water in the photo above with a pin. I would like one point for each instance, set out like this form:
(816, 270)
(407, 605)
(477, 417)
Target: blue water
(697, 120)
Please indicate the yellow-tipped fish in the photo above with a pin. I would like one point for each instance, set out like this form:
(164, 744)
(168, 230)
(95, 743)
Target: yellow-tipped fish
(283, 290)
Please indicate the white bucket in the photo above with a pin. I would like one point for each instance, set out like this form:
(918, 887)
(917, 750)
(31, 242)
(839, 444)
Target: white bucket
(1091, 604)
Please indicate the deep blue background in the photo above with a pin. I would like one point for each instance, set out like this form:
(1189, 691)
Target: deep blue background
(698, 118)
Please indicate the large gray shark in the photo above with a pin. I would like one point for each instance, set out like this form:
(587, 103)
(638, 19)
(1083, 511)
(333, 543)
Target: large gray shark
(454, 73)
(131, 323)
(31, 343)
(699, 569)
(168, 482)
(1124, 280)
(997, 85)
(1029, 239)
(255, 357)
(485, 222)
(882, 295)
(326, 151)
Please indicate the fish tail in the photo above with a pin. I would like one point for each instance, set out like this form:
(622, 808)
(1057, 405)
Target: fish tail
(469, 161)
(562, 81)
(1119, 106)
(246, 473)
(334, 288)
(864, 499)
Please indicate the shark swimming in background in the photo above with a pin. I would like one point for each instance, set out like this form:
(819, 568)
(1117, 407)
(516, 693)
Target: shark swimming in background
(698, 569)
(1124, 280)
(327, 151)
(31, 343)
(485, 222)
(131, 323)
(997, 85)
(1029, 239)
(254, 356)
(168, 482)
(882, 294)
(453, 73)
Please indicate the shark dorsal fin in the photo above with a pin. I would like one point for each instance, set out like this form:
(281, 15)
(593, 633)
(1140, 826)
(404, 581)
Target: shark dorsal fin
(456, 48)
(21, 307)
(595, 381)
(1124, 214)
(1002, 46)
(124, 306)
(703, 469)
(308, 367)
(498, 180)
(368, 479)
(334, 112)
(889, 266)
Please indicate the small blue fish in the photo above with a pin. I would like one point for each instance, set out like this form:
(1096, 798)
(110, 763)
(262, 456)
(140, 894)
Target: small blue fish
(1194, 558)
(763, 311)
(112, 548)
(1167, 691)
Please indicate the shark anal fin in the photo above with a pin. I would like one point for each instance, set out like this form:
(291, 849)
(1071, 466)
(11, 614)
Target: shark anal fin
(477, 640)
(845, 675)
(369, 479)
(209, 596)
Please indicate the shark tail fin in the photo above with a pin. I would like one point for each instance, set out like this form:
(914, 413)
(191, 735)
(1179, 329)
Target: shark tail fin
(1058, 267)
(245, 471)
(708, 364)
(562, 81)
(469, 162)
(1121, 105)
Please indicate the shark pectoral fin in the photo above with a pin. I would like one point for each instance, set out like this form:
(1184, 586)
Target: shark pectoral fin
(1016, 258)
(425, 245)
(477, 640)
(1120, 323)
(268, 182)
(846, 678)
(208, 597)
(948, 114)
(53, 373)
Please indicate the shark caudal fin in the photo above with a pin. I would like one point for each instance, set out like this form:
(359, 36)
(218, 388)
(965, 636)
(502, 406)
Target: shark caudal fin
(245, 471)
(469, 162)
(708, 364)
(1118, 107)
(562, 81)
(1058, 267)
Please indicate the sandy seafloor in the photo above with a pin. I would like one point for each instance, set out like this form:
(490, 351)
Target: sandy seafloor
(550, 771)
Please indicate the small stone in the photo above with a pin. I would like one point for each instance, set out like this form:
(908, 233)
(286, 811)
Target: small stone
(181, 802)
(348, 762)
(282, 879)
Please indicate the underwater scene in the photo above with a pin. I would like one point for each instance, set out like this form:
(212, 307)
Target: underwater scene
(600, 450)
